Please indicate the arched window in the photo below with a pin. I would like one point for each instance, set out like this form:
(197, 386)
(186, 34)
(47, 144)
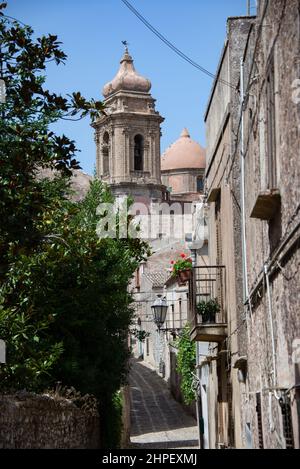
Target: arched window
(200, 184)
(138, 152)
(105, 154)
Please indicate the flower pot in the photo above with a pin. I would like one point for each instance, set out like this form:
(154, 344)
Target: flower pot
(209, 318)
(208, 310)
(184, 276)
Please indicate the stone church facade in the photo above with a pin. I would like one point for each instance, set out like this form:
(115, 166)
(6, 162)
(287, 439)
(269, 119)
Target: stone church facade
(128, 137)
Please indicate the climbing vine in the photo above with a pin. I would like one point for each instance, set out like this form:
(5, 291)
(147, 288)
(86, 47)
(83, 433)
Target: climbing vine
(186, 362)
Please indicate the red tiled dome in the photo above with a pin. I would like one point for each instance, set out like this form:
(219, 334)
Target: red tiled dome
(185, 153)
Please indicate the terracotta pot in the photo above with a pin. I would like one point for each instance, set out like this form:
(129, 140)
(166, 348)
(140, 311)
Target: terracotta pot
(184, 276)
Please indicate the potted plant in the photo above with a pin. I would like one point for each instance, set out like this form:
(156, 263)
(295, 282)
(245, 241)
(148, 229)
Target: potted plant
(208, 310)
(182, 268)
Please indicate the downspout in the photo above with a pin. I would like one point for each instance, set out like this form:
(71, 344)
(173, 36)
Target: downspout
(274, 373)
(243, 211)
(199, 400)
(197, 390)
(243, 208)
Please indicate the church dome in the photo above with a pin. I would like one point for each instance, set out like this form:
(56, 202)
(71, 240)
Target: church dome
(185, 153)
(127, 79)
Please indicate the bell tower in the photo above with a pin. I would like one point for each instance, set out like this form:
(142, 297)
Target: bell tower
(128, 136)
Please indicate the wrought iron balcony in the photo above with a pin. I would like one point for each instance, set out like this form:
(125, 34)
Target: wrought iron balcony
(207, 291)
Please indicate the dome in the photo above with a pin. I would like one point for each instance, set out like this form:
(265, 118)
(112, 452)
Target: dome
(185, 153)
(127, 79)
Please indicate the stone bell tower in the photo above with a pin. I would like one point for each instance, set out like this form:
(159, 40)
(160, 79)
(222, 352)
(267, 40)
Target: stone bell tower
(128, 137)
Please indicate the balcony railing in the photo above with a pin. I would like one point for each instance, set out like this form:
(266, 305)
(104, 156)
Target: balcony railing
(208, 283)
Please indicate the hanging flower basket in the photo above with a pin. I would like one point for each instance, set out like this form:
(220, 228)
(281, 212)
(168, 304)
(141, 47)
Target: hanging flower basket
(182, 269)
(184, 276)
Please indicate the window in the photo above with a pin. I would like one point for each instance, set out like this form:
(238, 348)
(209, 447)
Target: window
(219, 254)
(259, 421)
(138, 152)
(248, 434)
(172, 223)
(271, 127)
(105, 154)
(219, 251)
(137, 279)
(287, 422)
(160, 234)
(200, 184)
(180, 312)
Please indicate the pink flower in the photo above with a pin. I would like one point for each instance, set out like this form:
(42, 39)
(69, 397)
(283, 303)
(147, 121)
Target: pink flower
(183, 256)
(172, 262)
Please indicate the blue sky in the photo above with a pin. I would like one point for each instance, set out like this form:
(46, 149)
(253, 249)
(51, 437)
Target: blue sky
(92, 31)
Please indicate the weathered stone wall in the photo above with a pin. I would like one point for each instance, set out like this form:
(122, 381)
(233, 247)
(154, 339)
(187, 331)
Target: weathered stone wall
(42, 422)
(274, 242)
(274, 35)
(223, 174)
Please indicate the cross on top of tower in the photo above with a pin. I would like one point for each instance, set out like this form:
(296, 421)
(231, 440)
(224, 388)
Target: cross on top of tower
(125, 44)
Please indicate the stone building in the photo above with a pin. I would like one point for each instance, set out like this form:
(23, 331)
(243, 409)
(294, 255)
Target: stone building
(128, 137)
(271, 133)
(222, 278)
(249, 363)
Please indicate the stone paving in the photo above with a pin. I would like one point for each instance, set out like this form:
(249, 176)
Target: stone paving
(157, 420)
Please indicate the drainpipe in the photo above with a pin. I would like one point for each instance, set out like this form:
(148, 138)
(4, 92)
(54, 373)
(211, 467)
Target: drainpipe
(198, 398)
(274, 371)
(199, 401)
(242, 164)
(248, 7)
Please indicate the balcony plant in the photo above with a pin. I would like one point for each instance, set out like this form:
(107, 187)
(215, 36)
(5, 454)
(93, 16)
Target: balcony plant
(208, 310)
(182, 268)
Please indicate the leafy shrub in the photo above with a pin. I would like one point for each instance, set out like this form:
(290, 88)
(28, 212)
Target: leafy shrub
(112, 420)
(208, 310)
(186, 362)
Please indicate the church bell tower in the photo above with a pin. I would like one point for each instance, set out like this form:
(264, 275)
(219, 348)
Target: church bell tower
(128, 137)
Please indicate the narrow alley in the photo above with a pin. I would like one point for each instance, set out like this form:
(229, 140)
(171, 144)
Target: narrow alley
(157, 420)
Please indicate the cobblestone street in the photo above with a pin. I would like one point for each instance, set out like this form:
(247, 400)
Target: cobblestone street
(157, 420)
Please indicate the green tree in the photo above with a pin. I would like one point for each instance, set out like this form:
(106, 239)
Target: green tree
(65, 310)
(26, 143)
(186, 362)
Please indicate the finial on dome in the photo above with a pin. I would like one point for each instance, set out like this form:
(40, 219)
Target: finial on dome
(126, 57)
(185, 133)
(126, 44)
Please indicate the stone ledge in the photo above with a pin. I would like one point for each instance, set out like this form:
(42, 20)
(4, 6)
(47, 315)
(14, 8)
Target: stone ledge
(266, 205)
(209, 333)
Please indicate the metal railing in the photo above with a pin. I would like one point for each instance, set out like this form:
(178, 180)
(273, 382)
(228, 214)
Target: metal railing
(207, 283)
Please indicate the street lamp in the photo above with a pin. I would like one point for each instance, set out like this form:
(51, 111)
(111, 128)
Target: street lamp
(159, 311)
